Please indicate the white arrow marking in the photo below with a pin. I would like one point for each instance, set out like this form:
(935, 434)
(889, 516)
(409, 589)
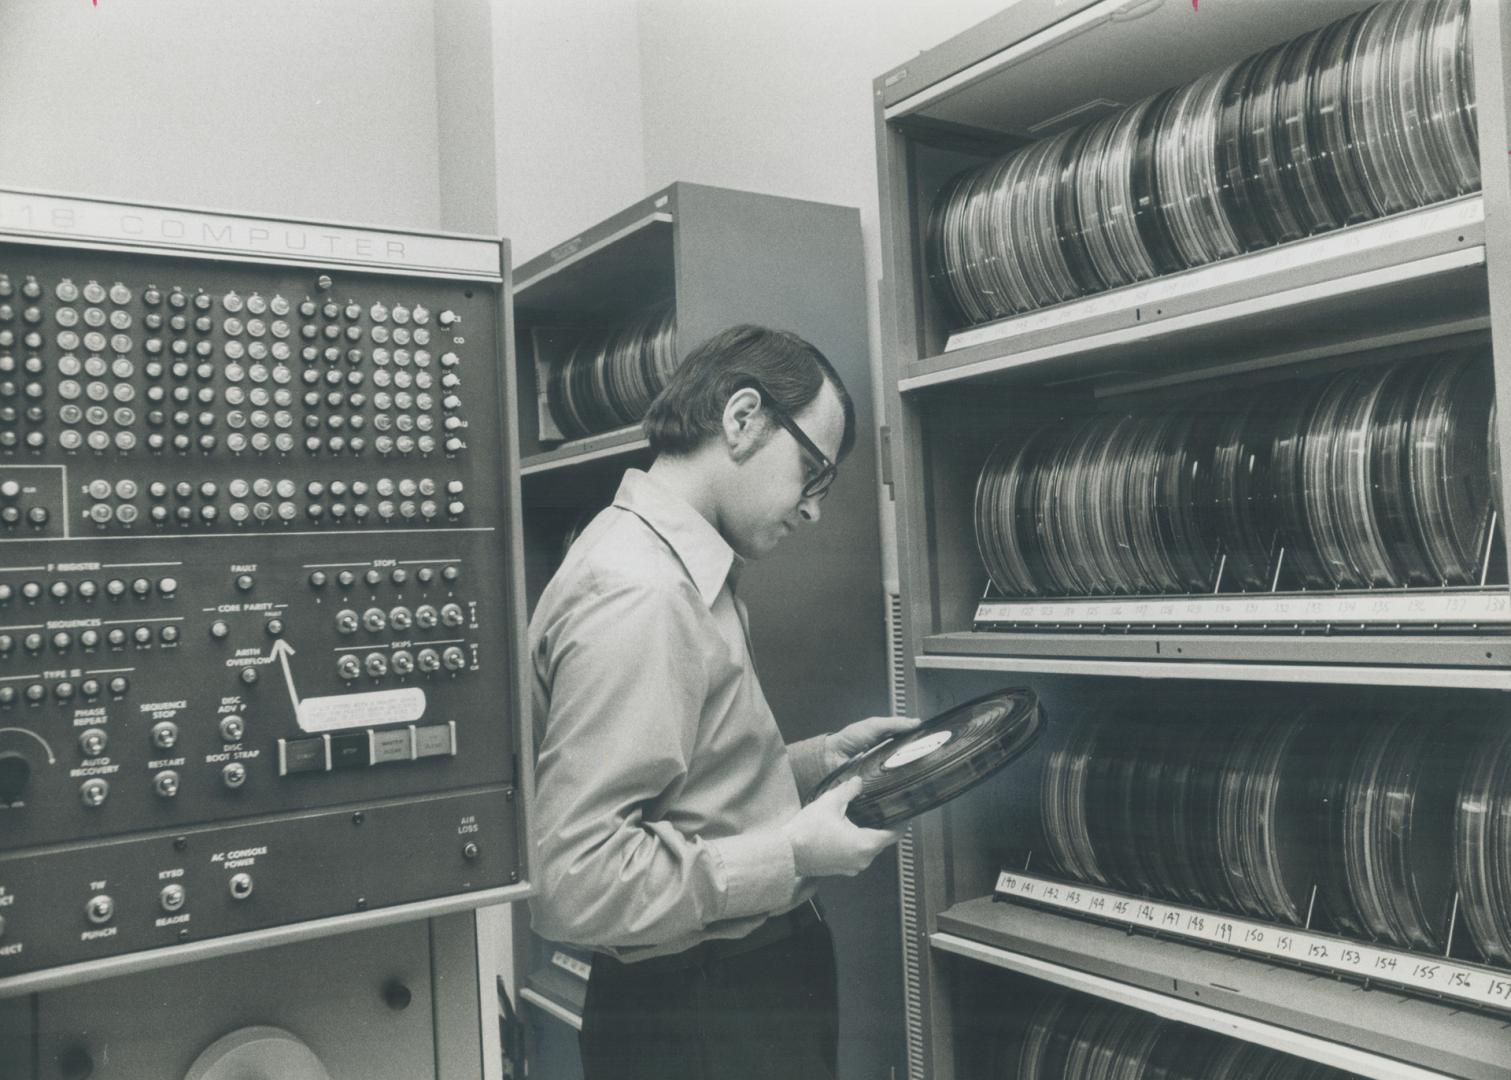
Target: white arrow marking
(23, 731)
(283, 650)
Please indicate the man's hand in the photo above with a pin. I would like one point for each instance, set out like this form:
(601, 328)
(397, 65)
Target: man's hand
(840, 746)
(826, 843)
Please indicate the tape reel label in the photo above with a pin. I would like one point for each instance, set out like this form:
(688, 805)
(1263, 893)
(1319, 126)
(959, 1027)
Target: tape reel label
(919, 748)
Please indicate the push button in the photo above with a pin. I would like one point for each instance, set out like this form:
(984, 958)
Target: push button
(349, 750)
(391, 745)
(435, 740)
(303, 755)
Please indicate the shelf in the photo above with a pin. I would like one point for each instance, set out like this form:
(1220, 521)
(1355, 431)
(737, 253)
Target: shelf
(551, 1007)
(1427, 608)
(581, 451)
(1474, 985)
(1374, 1032)
(1141, 666)
(1363, 280)
(629, 255)
(1050, 58)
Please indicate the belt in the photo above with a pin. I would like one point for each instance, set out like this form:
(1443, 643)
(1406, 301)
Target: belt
(776, 928)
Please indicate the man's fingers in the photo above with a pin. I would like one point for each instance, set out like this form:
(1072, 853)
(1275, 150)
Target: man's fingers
(844, 793)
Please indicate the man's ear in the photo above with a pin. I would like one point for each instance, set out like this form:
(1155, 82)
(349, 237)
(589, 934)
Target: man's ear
(743, 424)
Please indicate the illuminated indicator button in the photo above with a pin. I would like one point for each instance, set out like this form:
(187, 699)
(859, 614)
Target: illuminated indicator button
(168, 634)
(36, 692)
(117, 637)
(451, 573)
(89, 638)
(100, 909)
(249, 675)
(31, 590)
(376, 664)
(450, 359)
(165, 734)
(429, 660)
(119, 685)
(143, 635)
(99, 489)
(317, 578)
(346, 579)
(245, 582)
(451, 615)
(232, 728)
(94, 792)
(7, 695)
(302, 755)
(400, 314)
(10, 489)
(434, 740)
(219, 629)
(63, 690)
(262, 511)
(141, 586)
(403, 662)
(62, 641)
(428, 509)
(92, 741)
(60, 590)
(388, 746)
(348, 667)
(88, 590)
(165, 784)
(234, 774)
(33, 642)
(349, 750)
(240, 886)
(7, 643)
(171, 898)
(167, 586)
(202, 300)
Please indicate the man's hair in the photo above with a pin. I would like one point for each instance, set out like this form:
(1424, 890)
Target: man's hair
(690, 409)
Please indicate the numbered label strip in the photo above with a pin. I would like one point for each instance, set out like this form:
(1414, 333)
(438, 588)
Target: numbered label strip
(1386, 609)
(1447, 978)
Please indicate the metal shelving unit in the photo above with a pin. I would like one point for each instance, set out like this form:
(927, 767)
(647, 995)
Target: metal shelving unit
(1440, 275)
(721, 258)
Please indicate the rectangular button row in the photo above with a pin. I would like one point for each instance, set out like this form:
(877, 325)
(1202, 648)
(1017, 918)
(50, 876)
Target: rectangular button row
(359, 749)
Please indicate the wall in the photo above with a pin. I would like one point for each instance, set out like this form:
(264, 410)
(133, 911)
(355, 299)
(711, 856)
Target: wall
(570, 128)
(282, 107)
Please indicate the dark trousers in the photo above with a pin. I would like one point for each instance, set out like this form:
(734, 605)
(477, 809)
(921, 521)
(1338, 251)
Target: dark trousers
(767, 1014)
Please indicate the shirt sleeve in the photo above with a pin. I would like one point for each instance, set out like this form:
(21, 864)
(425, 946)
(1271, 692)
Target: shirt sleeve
(810, 764)
(623, 677)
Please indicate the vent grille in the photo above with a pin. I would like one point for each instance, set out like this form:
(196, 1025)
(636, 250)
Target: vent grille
(906, 867)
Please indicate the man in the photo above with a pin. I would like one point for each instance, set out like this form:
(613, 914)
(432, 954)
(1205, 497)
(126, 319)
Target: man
(669, 830)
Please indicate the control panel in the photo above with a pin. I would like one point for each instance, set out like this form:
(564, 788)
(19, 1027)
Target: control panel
(255, 644)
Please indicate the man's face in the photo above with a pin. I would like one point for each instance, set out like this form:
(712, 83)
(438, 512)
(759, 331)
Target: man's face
(767, 502)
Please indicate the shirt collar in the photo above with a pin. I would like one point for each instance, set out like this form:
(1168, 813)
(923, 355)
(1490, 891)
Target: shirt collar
(705, 555)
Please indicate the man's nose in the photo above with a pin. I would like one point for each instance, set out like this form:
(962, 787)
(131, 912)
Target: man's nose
(809, 509)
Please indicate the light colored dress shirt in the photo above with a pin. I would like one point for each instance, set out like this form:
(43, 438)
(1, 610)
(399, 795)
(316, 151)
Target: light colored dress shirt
(661, 777)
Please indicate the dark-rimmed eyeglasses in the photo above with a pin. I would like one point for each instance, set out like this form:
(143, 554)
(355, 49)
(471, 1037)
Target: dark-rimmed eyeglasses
(821, 479)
